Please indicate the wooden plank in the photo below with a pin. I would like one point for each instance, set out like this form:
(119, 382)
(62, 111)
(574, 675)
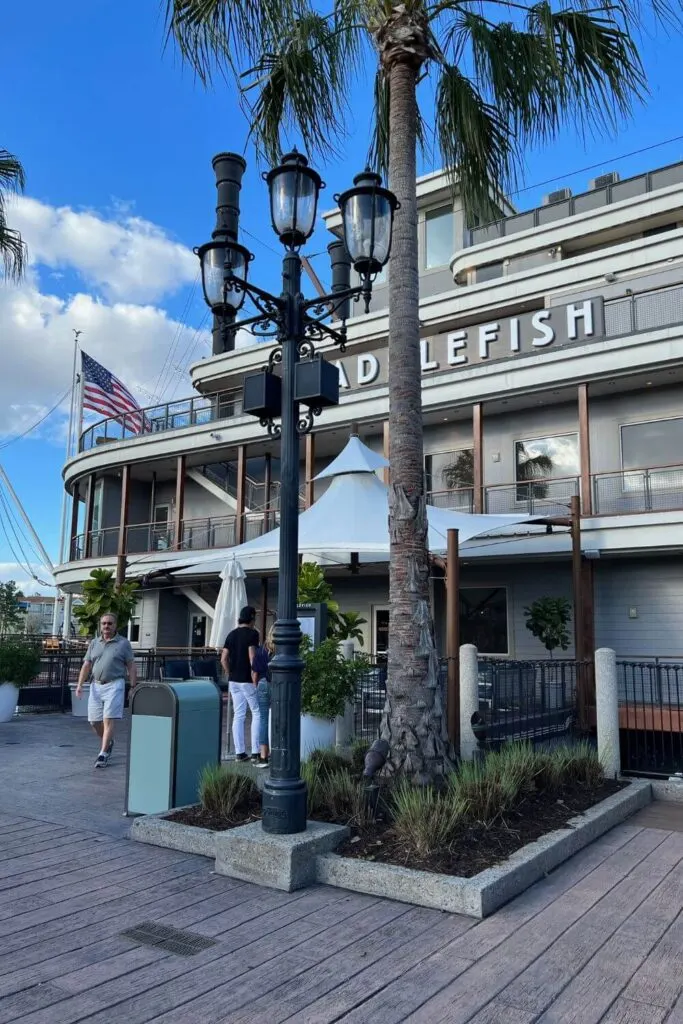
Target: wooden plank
(651, 719)
(490, 975)
(499, 1012)
(336, 985)
(212, 981)
(241, 493)
(627, 1011)
(543, 980)
(676, 1015)
(659, 979)
(123, 515)
(43, 1001)
(585, 450)
(179, 503)
(53, 841)
(595, 986)
(661, 814)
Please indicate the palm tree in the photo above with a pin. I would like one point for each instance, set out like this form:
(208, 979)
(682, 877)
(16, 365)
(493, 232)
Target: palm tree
(500, 84)
(12, 247)
(532, 467)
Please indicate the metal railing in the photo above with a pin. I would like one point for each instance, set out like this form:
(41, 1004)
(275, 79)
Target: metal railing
(594, 199)
(535, 497)
(651, 717)
(638, 490)
(186, 412)
(459, 499)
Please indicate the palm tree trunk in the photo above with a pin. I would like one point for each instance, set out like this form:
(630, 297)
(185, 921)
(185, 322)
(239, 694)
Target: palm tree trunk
(413, 720)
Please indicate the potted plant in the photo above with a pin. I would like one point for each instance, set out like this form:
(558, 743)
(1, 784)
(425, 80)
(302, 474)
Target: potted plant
(19, 664)
(548, 620)
(328, 682)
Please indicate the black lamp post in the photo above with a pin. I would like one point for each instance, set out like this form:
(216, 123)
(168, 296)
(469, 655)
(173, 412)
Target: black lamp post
(304, 378)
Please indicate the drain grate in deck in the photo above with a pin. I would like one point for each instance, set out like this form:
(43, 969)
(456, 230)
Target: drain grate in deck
(172, 940)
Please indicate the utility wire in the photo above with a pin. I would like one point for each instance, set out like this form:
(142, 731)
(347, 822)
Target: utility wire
(35, 425)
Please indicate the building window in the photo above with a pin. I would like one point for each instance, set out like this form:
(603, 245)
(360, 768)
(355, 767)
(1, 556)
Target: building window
(449, 471)
(439, 237)
(545, 459)
(651, 445)
(484, 619)
(134, 629)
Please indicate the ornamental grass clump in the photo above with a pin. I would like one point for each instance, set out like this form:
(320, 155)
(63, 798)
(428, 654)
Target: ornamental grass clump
(334, 794)
(224, 791)
(425, 820)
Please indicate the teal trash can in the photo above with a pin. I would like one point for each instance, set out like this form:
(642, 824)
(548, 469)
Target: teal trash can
(175, 731)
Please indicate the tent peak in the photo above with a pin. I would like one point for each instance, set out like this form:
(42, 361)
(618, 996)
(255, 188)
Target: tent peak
(355, 457)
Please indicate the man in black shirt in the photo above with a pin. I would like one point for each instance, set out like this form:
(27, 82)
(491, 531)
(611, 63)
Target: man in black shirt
(236, 657)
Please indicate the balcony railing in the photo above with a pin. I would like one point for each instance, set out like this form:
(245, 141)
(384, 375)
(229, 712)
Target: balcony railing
(187, 412)
(638, 490)
(595, 199)
(459, 499)
(535, 497)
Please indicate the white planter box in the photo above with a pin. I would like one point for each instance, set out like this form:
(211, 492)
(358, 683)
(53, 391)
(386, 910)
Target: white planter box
(79, 705)
(317, 734)
(9, 695)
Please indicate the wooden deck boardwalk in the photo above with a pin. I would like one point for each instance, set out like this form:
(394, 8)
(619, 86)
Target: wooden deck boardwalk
(600, 939)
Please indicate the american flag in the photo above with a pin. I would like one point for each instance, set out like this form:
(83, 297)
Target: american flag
(103, 392)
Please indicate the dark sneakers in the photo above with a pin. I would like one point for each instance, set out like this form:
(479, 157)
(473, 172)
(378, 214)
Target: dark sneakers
(102, 760)
(262, 762)
(241, 757)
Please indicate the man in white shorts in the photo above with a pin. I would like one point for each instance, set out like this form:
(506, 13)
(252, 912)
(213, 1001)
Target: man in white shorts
(108, 658)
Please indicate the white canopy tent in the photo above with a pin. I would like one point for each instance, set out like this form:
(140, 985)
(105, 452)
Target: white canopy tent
(352, 516)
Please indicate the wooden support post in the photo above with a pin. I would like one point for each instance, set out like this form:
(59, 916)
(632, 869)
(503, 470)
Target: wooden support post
(264, 609)
(179, 502)
(478, 456)
(453, 637)
(241, 492)
(310, 470)
(75, 507)
(585, 451)
(123, 527)
(577, 589)
(386, 474)
(268, 483)
(89, 512)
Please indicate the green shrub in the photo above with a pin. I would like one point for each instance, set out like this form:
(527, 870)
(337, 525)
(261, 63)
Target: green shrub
(19, 662)
(328, 680)
(333, 792)
(224, 791)
(329, 760)
(424, 820)
(359, 749)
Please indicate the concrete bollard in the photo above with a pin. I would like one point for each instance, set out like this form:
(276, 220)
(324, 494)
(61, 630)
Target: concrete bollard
(344, 733)
(469, 700)
(607, 711)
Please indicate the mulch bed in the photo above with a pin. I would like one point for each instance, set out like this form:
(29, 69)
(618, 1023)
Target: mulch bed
(477, 846)
(200, 818)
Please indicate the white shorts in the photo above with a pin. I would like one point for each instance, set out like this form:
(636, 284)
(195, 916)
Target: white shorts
(106, 700)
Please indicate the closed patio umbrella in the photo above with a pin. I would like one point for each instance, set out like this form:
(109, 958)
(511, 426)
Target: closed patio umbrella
(232, 597)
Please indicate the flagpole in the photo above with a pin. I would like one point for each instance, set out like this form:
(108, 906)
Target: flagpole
(75, 403)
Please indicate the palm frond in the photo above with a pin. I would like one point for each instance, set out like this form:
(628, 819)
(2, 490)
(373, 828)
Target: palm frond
(12, 247)
(213, 35)
(476, 142)
(303, 86)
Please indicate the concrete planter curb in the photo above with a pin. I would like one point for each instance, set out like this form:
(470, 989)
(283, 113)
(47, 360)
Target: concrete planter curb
(484, 893)
(668, 790)
(156, 830)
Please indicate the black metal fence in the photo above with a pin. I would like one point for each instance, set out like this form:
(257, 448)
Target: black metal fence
(651, 717)
(531, 701)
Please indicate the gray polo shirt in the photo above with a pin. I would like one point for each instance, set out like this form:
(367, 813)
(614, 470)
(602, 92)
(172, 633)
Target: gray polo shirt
(109, 659)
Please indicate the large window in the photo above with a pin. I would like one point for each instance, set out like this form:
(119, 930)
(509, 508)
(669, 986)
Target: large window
(484, 619)
(450, 471)
(545, 459)
(648, 445)
(439, 237)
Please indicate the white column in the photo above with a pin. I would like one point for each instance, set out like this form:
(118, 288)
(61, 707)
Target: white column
(344, 723)
(66, 623)
(469, 699)
(607, 711)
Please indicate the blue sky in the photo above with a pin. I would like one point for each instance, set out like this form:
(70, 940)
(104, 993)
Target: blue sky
(117, 139)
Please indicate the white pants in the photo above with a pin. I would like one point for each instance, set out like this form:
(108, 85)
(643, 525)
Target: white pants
(244, 694)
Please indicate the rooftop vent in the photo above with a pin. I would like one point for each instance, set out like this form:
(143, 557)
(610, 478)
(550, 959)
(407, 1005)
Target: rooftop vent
(561, 195)
(603, 180)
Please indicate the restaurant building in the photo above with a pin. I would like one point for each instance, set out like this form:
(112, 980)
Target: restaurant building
(552, 367)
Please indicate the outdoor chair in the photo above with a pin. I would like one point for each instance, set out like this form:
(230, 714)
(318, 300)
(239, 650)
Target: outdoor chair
(175, 669)
(205, 668)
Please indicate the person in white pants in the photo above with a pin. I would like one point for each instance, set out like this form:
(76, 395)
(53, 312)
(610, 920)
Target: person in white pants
(236, 657)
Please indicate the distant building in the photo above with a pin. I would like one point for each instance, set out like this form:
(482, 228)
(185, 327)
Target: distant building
(39, 613)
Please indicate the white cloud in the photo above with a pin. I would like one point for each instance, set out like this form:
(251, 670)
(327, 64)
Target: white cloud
(126, 258)
(26, 584)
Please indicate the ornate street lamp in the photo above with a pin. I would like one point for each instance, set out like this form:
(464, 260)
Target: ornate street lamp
(304, 379)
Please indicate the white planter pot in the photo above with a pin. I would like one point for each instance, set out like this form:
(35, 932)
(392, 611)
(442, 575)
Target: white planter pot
(79, 705)
(9, 695)
(316, 734)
